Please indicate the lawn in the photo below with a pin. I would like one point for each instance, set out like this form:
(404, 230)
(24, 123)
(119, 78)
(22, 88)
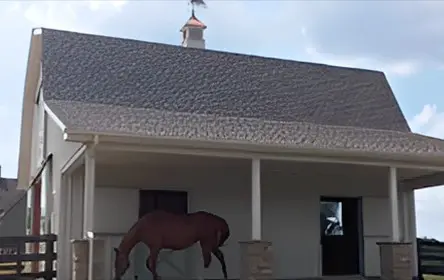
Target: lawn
(433, 277)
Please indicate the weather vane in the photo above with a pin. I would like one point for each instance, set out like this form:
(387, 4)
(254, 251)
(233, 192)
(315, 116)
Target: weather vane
(196, 3)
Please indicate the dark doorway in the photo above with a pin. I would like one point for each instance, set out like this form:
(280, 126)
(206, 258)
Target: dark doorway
(171, 201)
(150, 200)
(341, 236)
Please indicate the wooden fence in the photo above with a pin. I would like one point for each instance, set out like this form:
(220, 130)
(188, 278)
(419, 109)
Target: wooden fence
(13, 257)
(430, 256)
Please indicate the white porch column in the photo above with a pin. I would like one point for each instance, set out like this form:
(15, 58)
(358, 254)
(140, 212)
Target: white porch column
(394, 205)
(49, 206)
(256, 214)
(412, 228)
(63, 259)
(68, 208)
(256, 254)
(88, 206)
(395, 255)
(90, 180)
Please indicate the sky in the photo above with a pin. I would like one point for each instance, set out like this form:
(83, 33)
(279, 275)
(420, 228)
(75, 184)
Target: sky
(402, 38)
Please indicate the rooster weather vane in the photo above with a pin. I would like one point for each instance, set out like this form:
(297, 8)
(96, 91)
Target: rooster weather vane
(197, 3)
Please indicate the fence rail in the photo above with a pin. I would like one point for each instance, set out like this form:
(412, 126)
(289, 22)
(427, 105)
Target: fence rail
(430, 256)
(13, 255)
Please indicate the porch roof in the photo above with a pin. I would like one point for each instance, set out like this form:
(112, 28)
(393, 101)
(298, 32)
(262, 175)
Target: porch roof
(120, 120)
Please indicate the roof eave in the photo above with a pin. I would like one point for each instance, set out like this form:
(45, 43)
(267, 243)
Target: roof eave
(32, 80)
(270, 151)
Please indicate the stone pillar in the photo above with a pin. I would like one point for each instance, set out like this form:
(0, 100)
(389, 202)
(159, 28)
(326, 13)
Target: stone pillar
(99, 259)
(256, 260)
(396, 260)
(80, 258)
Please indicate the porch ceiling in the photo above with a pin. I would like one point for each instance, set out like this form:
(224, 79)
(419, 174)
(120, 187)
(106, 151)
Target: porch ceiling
(127, 159)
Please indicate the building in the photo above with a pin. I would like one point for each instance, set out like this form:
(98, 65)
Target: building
(266, 143)
(12, 208)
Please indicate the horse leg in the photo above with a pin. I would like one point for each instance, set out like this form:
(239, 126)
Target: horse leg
(148, 260)
(206, 254)
(220, 256)
(152, 262)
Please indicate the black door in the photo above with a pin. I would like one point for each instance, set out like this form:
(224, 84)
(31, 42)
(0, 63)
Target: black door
(171, 201)
(341, 236)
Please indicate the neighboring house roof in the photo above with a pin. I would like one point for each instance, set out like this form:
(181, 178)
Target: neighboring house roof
(9, 194)
(119, 86)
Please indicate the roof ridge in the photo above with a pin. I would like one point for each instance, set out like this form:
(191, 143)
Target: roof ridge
(216, 51)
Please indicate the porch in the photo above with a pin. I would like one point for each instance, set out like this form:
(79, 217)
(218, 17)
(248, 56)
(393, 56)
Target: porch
(268, 199)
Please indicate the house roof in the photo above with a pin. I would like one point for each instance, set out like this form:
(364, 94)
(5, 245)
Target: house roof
(9, 194)
(120, 86)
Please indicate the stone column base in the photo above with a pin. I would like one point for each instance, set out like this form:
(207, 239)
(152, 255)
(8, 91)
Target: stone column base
(80, 258)
(256, 260)
(396, 260)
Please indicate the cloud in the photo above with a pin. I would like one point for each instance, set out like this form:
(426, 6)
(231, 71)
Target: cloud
(401, 68)
(16, 22)
(429, 207)
(81, 16)
(430, 201)
(429, 121)
(404, 36)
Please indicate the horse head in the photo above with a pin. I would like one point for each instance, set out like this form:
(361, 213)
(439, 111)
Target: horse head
(121, 264)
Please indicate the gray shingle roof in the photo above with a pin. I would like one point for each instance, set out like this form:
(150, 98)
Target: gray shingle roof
(104, 84)
(150, 122)
(9, 194)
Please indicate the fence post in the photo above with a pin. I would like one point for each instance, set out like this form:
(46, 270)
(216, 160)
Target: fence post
(418, 253)
(19, 254)
(49, 258)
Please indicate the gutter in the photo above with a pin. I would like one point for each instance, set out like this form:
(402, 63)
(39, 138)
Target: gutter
(262, 150)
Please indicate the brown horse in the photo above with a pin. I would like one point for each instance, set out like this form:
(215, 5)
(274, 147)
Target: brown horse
(163, 230)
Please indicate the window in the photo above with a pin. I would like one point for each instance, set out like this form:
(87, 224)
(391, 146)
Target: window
(331, 218)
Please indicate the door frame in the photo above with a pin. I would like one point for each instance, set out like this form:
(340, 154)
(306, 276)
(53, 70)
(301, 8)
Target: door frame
(360, 225)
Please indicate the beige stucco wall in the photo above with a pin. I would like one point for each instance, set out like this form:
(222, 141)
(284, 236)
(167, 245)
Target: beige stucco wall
(290, 214)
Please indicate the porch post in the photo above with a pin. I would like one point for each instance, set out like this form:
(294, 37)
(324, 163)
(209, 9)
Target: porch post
(69, 219)
(395, 256)
(47, 178)
(412, 229)
(88, 210)
(36, 219)
(256, 257)
(394, 204)
(90, 180)
(256, 211)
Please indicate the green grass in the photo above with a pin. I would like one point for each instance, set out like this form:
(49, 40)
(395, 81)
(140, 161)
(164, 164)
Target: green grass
(433, 277)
